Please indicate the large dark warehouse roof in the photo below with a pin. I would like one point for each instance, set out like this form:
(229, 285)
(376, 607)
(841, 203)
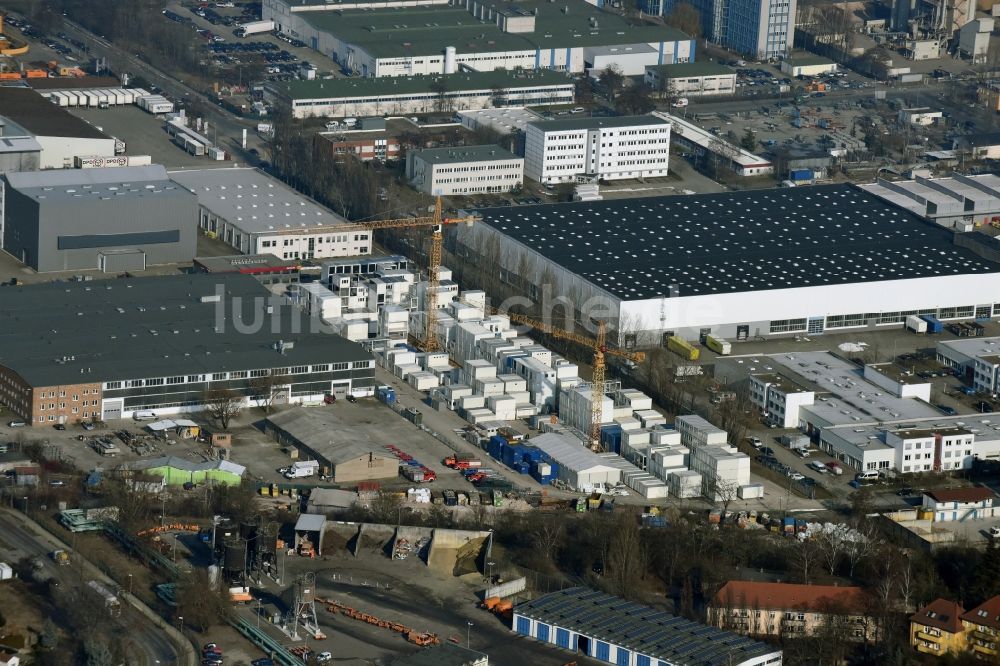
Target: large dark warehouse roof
(134, 328)
(645, 630)
(736, 241)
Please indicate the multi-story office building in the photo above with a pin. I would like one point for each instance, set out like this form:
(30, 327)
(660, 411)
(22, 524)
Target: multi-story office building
(778, 399)
(464, 170)
(557, 151)
(757, 28)
(932, 449)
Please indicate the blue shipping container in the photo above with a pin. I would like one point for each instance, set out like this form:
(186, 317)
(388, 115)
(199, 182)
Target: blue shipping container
(933, 324)
(800, 174)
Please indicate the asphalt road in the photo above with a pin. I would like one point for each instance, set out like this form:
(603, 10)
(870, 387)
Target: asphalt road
(152, 644)
(119, 60)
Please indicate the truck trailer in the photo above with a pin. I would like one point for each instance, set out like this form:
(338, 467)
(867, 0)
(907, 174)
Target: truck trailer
(916, 324)
(254, 28)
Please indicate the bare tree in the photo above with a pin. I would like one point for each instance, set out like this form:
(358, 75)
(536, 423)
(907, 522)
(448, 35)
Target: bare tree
(720, 490)
(266, 388)
(612, 80)
(223, 404)
(685, 18)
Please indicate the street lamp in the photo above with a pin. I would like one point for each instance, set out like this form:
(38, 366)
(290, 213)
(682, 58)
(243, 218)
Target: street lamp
(130, 584)
(490, 571)
(180, 623)
(468, 633)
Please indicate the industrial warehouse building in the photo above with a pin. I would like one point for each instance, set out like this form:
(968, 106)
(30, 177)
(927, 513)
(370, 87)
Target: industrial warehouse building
(396, 38)
(622, 147)
(345, 454)
(741, 265)
(60, 135)
(257, 214)
(85, 351)
(464, 170)
(958, 202)
(578, 466)
(403, 95)
(693, 79)
(177, 471)
(111, 219)
(617, 631)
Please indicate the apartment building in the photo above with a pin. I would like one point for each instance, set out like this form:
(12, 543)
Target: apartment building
(789, 610)
(779, 399)
(937, 628)
(464, 170)
(982, 624)
(626, 147)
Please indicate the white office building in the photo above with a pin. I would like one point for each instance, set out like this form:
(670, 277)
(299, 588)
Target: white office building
(778, 399)
(626, 147)
(257, 214)
(977, 360)
(464, 170)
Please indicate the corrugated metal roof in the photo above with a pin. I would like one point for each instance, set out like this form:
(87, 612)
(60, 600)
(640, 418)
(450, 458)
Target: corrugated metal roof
(570, 453)
(642, 629)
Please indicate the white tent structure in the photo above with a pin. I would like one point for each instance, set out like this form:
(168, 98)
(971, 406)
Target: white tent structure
(578, 466)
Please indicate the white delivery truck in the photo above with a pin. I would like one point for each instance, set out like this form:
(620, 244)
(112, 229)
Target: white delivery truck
(253, 28)
(301, 469)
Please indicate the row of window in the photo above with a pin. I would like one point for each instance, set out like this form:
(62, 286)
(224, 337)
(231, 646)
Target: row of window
(62, 393)
(52, 417)
(788, 325)
(555, 94)
(238, 374)
(62, 405)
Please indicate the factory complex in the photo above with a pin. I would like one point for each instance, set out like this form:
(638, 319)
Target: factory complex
(89, 351)
(741, 265)
(402, 39)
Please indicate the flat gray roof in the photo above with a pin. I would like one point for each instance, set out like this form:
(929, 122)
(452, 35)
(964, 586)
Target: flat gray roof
(461, 154)
(699, 68)
(654, 633)
(327, 434)
(41, 117)
(81, 184)
(586, 122)
(135, 328)
(255, 202)
(19, 144)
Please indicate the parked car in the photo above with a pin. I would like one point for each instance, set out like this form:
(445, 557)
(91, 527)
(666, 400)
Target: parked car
(16, 424)
(59, 426)
(819, 467)
(755, 442)
(950, 411)
(995, 532)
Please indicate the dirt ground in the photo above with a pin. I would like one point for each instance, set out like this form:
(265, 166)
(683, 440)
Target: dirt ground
(410, 593)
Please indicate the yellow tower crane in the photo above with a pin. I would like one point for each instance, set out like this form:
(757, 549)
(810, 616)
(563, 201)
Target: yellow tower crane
(599, 346)
(436, 223)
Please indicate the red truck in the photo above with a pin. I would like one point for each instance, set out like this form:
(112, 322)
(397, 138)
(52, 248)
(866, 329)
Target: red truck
(462, 462)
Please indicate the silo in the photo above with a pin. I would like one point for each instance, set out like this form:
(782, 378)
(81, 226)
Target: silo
(248, 529)
(224, 531)
(234, 560)
(267, 542)
(450, 60)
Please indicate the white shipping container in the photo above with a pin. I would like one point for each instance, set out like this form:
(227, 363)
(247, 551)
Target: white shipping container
(752, 491)
(916, 324)
(6, 571)
(472, 402)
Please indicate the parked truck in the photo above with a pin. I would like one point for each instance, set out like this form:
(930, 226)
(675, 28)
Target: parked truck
(301, 469)
(683, 348)
(916, 324)
(254, 28)
(719, 345)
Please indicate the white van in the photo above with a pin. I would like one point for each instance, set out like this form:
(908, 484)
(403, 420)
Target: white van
(680, 103)
(144, 416)
(868, 475)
